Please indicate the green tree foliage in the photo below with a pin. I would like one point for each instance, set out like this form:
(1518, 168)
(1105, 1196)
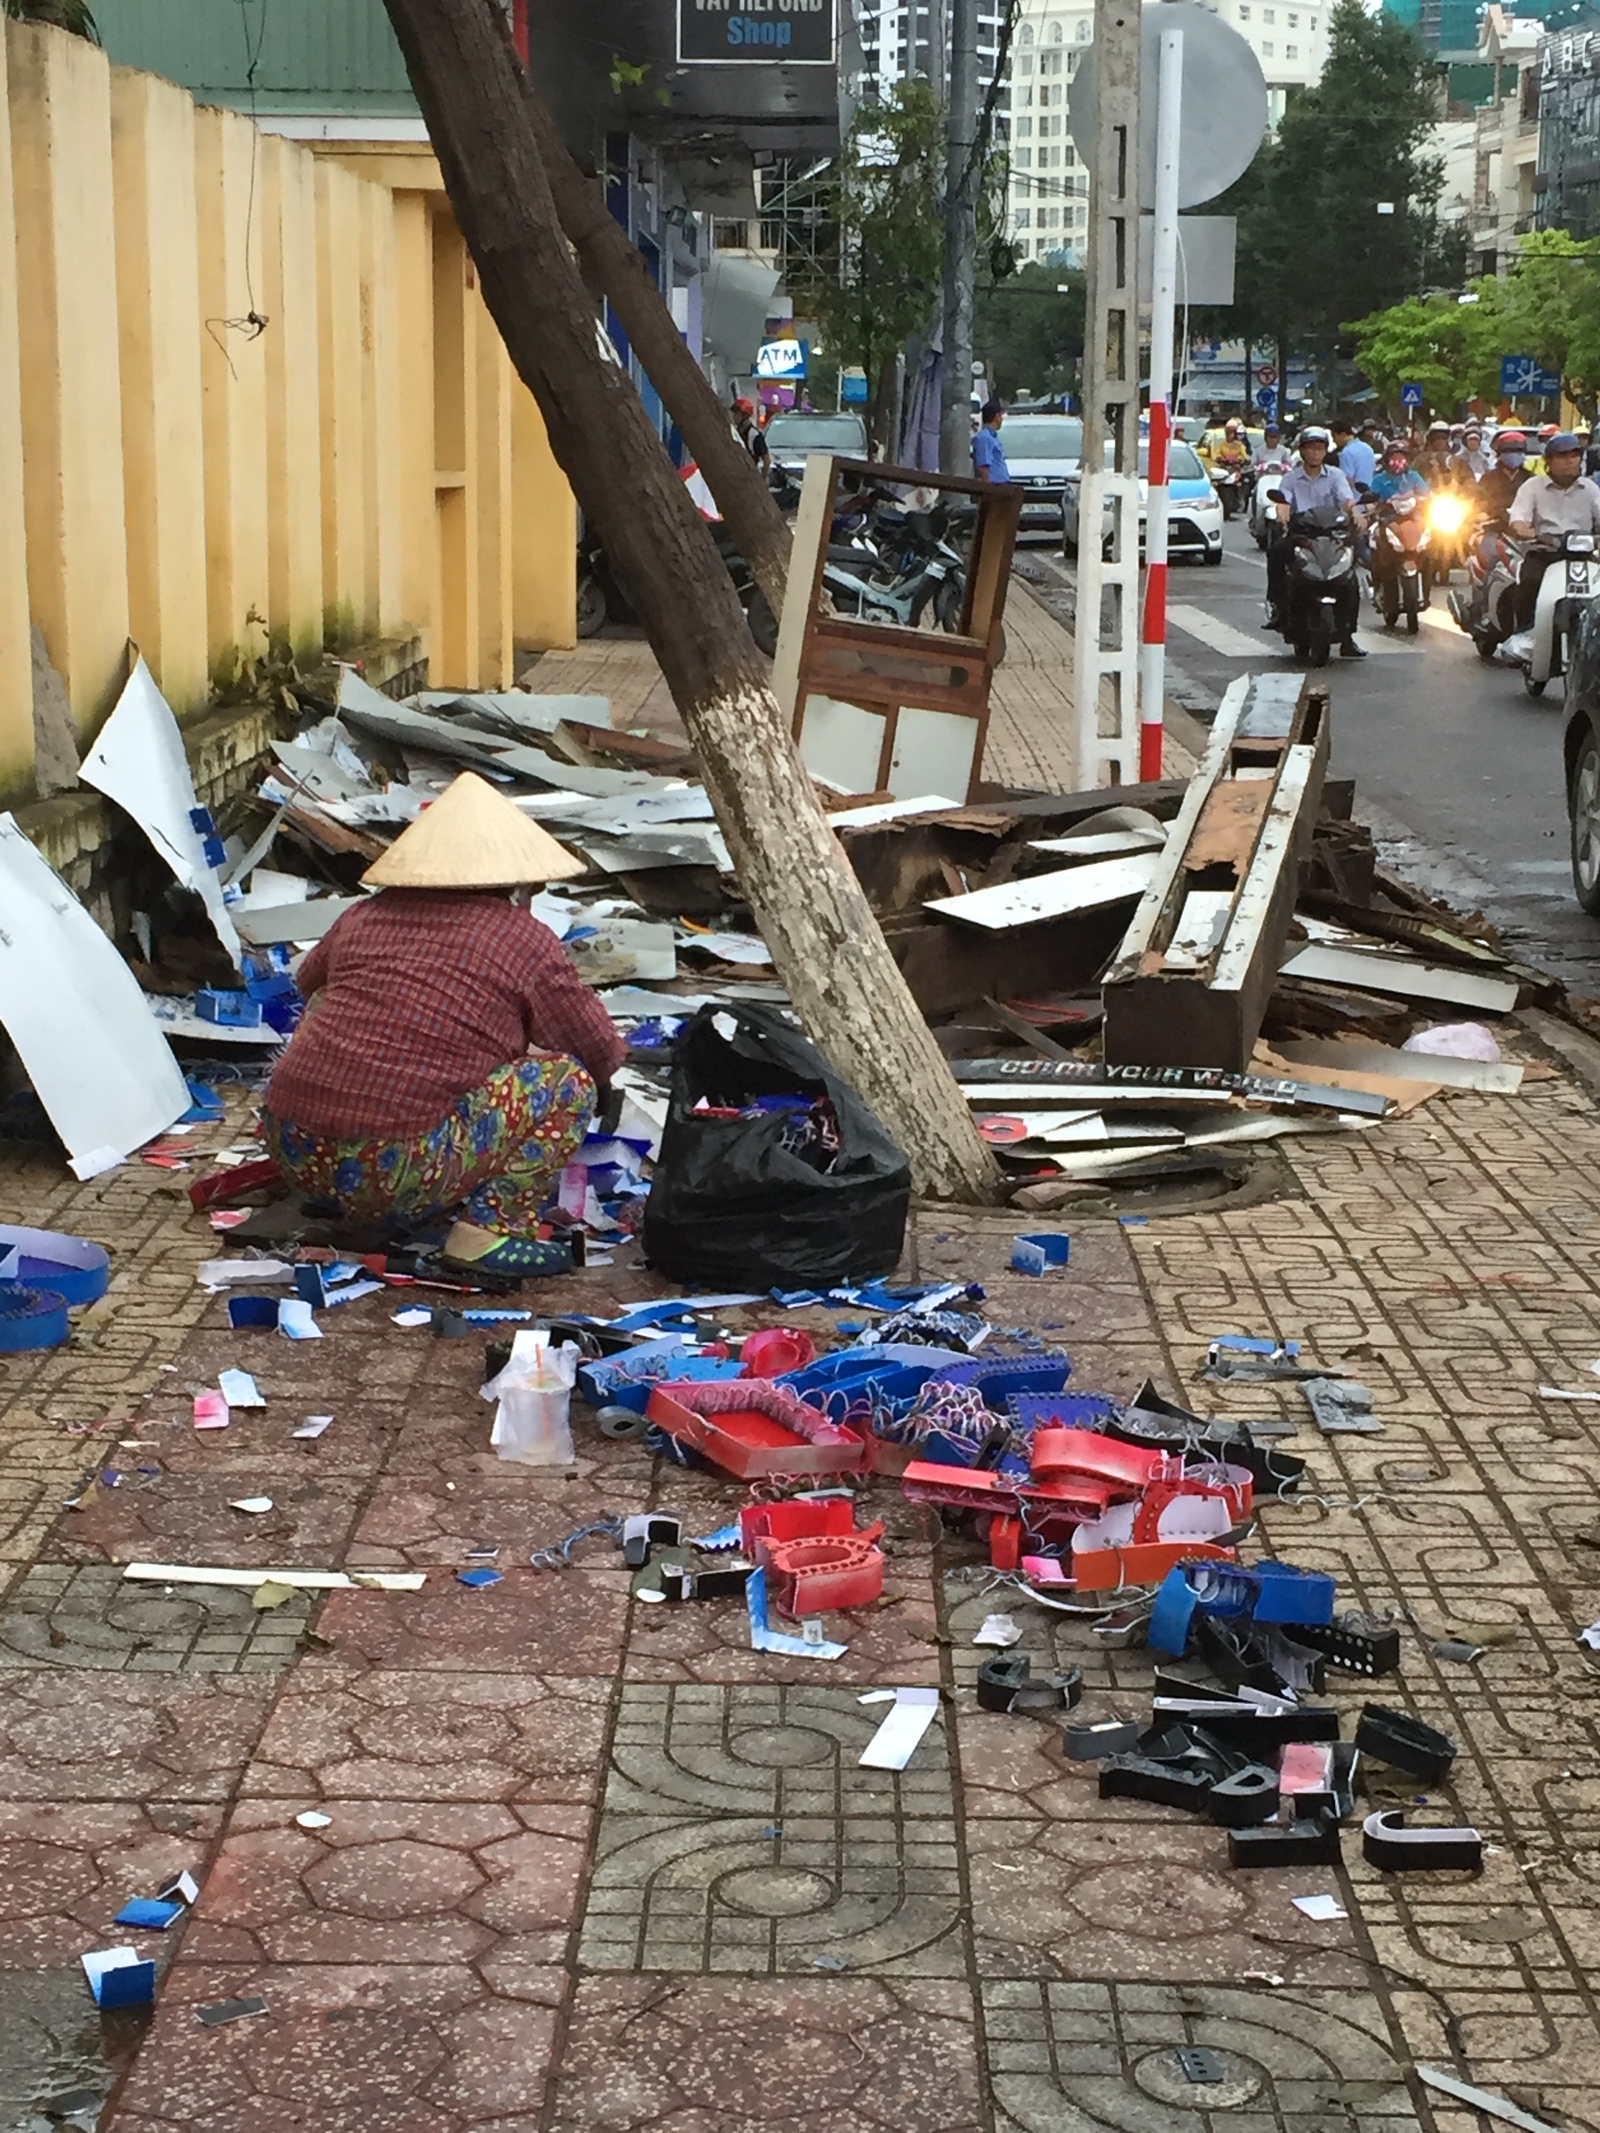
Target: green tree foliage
(873, 275)
(1028, 331)
(1547, 307)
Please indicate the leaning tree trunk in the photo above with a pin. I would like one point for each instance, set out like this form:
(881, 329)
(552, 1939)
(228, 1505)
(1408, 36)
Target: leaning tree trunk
(825, 943)
(616, 267)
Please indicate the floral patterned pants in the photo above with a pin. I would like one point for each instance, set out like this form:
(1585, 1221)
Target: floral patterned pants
(493, 1159)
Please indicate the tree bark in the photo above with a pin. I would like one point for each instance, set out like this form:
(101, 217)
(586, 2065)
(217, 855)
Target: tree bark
(617, 269)
(824, 940)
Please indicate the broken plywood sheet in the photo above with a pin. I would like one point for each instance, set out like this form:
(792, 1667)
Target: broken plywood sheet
(1056, 895)
(139, 761)
(74, 1011)
(1387, 971)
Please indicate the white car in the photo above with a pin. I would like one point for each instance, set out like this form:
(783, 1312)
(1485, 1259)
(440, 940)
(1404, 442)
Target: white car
(1042, 451)
(1194, 512)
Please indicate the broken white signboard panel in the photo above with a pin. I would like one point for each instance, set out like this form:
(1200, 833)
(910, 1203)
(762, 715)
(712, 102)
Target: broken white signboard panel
(139, 762)
(74, 1011)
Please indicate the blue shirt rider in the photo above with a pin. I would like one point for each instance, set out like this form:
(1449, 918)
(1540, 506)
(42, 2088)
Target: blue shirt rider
(1396, 477)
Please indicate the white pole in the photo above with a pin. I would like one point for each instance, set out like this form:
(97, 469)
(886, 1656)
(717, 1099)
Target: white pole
(1163, 322)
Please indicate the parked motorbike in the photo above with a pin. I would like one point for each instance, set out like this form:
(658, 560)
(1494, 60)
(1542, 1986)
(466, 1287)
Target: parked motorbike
(1321, 594)
(1569, 583)
(1400, 543)
(601, 598)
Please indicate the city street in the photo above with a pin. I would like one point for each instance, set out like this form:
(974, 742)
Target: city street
(1453, 763)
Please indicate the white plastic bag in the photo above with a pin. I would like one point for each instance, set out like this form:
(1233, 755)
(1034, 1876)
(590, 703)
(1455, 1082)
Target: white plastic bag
(532, 1421)
(1455, 1040)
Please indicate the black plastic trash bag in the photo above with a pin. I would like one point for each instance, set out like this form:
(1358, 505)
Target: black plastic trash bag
(802, 1196)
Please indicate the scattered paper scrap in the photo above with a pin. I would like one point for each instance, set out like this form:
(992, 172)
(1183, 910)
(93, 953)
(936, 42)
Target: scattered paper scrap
(413, 1315)
(298, 1320)
(230, 1273)
(221, 2011)
(296, 1580)
(312, 1426)
(146, 1914)
(182, 1888)
(119, 1977)
(999, 1631)
(483, 1575)
(1483, 2100)
(1320, 1908)
(239, 1389)
(210, 1411)
(270, 1595)
(312, 1819)
(895, 1741)
(255, 1505)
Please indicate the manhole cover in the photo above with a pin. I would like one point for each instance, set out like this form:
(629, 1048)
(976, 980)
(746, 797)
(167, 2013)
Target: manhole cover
(775, 1891)
(1162, 2075)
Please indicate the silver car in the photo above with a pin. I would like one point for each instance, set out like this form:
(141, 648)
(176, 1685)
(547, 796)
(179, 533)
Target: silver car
(792, 438)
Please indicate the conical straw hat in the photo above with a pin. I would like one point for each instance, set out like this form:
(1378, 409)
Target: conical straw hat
(471, 838)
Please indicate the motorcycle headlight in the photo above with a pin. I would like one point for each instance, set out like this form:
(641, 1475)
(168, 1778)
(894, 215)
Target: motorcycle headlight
(1447, 514)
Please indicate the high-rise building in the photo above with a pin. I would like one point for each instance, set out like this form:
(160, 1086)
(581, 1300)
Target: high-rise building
(1048, 200)
(905, 40)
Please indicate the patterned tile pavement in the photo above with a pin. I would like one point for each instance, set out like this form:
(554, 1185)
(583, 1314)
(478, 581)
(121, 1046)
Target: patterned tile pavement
(586, 1865)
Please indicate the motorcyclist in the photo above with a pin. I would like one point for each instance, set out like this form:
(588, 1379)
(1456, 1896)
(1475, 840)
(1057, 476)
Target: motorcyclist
(749, 433)
(1397, 476)
(1434, 461)
(1560, 501)
(1504, 478)
(1227, 447)
(1473, 461)
(1272, 445)
(1311, 486)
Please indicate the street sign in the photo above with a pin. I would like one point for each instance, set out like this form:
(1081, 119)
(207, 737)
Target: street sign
(1266, 375)
(1411, 396)
(781, 359)
(853, 388)
(800, 33)
(1267, 399)
(1224, 111)
(1522, 378)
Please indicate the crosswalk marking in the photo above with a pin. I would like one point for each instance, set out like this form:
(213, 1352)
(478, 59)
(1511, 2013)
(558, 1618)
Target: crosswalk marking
(1220, 636)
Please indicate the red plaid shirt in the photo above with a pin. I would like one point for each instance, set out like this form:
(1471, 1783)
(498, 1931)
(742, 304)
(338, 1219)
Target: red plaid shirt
(424, 994)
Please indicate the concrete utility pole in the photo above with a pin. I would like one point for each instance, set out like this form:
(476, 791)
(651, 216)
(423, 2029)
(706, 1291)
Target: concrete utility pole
(960, 238)
(1111, 409)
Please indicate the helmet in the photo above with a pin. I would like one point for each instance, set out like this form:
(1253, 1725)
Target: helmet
(1473, 429)
(744, 407)
(1232, 423)
(1438, 429)
(1561, 441)
(1314, 435)
(1397, 448)
(1510, 441)
(1548, 429)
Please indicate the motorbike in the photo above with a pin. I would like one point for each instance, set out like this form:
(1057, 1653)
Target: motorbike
(601, 598)
(1321, 593)
(1448, 516)
(1233, 481)
(1487, 609)
(1400, 542)
(1264, 479)
(1568, 585)
(896, 567)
